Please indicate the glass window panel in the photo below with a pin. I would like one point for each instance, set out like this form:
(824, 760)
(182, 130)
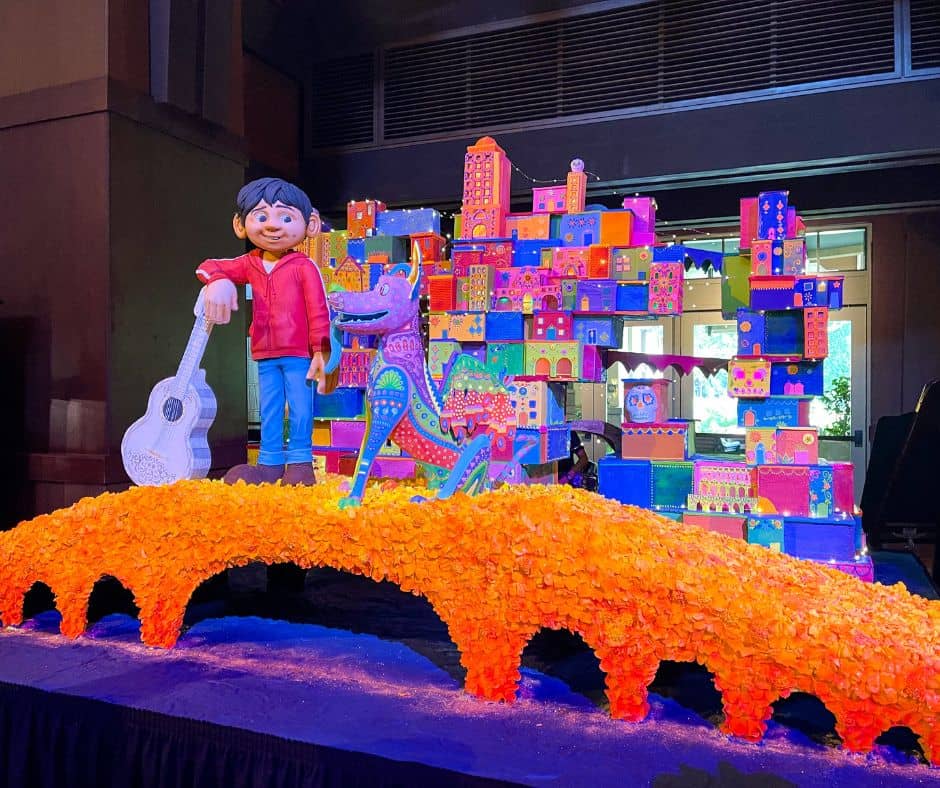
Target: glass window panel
(636, 339)
(832, 413)
(842, 250)
(712, 408)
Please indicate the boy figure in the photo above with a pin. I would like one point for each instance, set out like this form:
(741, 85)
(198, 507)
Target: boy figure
(290, 328)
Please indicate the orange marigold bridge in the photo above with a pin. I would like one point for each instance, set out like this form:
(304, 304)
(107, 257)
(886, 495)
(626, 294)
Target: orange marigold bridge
(497, 568)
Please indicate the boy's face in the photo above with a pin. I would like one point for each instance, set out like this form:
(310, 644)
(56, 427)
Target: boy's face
(275, 228)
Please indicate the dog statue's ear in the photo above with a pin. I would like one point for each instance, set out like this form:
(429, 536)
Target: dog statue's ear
(414, 277)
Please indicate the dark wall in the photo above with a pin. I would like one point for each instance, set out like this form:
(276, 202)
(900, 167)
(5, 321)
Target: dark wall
(171, 207)
(835, 130)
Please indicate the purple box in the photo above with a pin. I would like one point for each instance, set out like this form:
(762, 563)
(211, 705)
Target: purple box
(822, 540)
(393, 468)
(408, 222)
(347, 434)
(592, 364)
(627, 481)
(580, 229)
(772, 215)
(596, 295)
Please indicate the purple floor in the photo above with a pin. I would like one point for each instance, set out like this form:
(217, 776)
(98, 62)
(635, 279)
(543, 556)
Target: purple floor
(359, 692)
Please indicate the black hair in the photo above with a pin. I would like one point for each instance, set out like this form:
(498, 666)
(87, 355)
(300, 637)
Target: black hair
(272, 190)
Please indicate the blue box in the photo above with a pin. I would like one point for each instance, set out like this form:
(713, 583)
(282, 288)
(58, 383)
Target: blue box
(772, 215)
(627, 481)
(633, 297)
(671, 484)
(750, 333)
(773, 412)
(796, 379)
(528, 252)
(356, 249)
(503, 326)
(542, 444)
(580, 229)
(822, 540)
(408, 222)
(341, 404)
(375, 271)
(765, 530)
(599, 330)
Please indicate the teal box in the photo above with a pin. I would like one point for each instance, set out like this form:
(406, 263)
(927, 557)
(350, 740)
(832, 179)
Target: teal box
(505, 358)
(765, 530)
(397, 247)
(670, 484)
(569, 293)
(820, 491)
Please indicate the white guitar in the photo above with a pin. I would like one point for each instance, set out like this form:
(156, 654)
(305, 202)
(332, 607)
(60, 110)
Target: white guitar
(168, 442)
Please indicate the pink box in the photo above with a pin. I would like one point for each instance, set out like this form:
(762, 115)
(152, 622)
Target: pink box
(333, 458)
(748, 221)
(729, 525)
(644, 220)
(797, 446)
(786, 487)
(347, 434)
(393, 468)
(666, 288)
(843, 487)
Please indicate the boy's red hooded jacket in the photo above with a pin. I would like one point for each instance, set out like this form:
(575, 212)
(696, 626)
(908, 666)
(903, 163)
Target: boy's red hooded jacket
(290, 313)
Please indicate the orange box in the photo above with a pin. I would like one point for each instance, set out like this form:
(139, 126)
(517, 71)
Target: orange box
(529, 227)
(617, 228)
(442, 293)
(654, 441)
(361, 215)
(598, 262)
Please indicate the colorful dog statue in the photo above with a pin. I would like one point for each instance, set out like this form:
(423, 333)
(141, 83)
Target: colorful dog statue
(448, 431)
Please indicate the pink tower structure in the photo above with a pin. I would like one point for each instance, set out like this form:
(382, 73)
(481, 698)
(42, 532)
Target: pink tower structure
(486, 175)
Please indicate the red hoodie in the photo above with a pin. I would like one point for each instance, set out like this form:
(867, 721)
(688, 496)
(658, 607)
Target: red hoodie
(290, 313)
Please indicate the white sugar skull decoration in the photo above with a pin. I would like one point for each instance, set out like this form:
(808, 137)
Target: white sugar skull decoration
(642, 403)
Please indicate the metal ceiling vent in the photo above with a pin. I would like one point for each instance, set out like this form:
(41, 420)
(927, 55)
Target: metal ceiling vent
(640, 55)
(925, 34)
(343, 101)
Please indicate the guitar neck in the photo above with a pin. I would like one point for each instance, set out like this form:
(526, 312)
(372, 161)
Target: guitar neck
(192, 356)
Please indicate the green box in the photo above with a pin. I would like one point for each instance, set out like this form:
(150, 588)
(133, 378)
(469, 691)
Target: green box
(337, 244)
(735, 285)
(505, 358)
(671, 484)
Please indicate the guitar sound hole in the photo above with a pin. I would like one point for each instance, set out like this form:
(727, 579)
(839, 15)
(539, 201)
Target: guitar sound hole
(172, 409)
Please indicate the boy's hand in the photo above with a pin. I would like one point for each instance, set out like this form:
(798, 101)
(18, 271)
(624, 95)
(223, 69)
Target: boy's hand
(325, 383)
(220, 301)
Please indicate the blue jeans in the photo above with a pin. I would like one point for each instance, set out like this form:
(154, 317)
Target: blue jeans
(280, 381)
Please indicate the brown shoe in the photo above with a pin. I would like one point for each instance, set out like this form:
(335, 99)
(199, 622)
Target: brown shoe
(254, 474)
(299, 473)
